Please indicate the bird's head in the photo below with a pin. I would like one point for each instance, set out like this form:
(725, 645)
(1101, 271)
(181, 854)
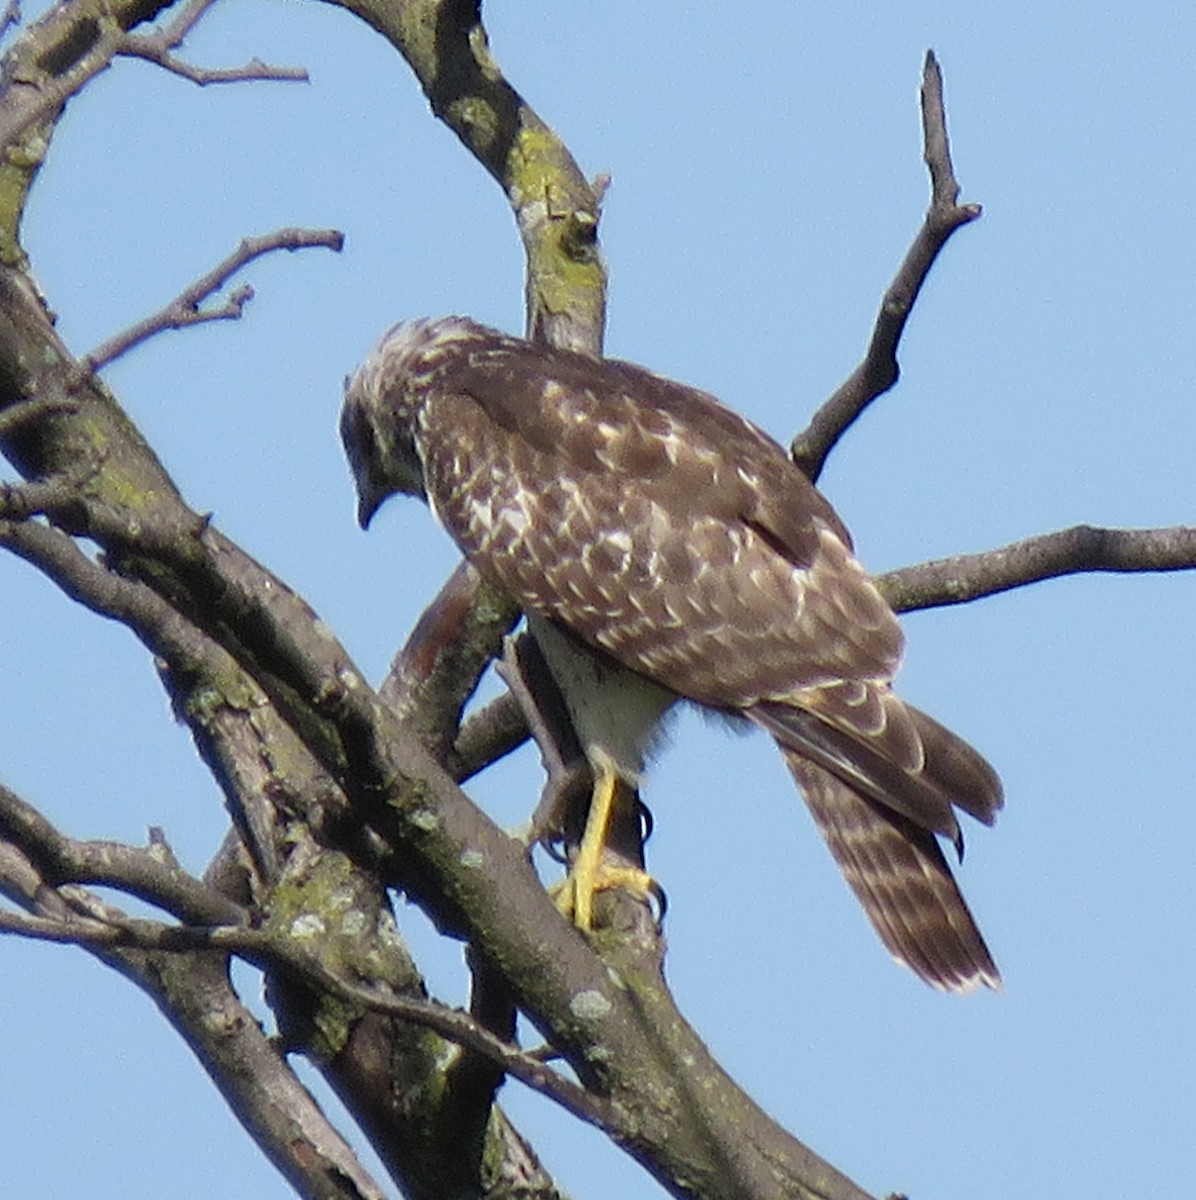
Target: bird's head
(376, 429)
(380, 417)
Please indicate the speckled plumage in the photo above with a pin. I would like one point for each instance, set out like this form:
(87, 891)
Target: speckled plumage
(651, 522)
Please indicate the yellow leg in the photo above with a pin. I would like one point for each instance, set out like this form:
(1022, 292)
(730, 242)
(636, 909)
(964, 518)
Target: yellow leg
(587, 875)
(576, 897)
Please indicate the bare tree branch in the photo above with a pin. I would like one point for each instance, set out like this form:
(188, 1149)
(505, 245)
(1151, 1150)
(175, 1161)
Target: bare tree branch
(965, 577)
(157, 48)
(473, 1081)
(185, 309)
(879, 370)
(26, 412)
(22, 500)
(491, 733)
(144, 873)
(266, 949)
(193, 991)
(92, 45)
(438, 669)
(185, 589)
(555, 206)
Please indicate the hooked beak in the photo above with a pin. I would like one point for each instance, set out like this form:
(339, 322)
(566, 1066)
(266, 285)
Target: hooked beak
(366, 507)
(369, 500)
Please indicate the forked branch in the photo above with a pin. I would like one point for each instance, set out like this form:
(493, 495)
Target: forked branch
(82, 48)
(145, 872)
(879, 370)
(194, 992)
(185, 309)
(159, 47)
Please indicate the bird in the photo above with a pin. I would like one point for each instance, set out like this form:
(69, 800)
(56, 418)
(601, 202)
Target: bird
(665, 549)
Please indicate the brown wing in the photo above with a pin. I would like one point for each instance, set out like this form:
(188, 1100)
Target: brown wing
(652, 522)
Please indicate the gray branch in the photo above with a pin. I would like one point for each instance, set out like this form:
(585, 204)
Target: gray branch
(185, 310)
(265, 949)
(159, 48)
(1082, 548)
(79, 48)
(879, 370)
(193, 991)
(147, 873)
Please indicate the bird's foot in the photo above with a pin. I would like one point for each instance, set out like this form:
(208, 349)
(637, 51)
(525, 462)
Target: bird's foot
(574, 896)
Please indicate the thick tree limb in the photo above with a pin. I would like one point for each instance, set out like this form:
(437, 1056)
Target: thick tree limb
(879, 371)
(556, 208)
(331, 923)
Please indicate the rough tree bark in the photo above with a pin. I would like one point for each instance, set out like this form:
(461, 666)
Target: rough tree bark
(340, 792)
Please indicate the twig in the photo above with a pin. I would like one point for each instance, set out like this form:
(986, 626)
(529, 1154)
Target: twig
(879, 370)
(96, 55)
(184, 309)
(254, 69)
(265, 949)
(157, 47)
(1082, 548)
(146, 873)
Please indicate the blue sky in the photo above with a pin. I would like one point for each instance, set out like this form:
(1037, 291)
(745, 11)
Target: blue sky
(766, 182)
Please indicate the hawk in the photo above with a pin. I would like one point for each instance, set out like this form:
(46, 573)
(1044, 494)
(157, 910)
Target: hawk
(663, 548)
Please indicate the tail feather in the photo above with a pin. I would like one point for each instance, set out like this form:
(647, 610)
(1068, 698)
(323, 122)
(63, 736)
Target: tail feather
(957, 770)
(880, 820)
(918, 796)
(899, 874)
